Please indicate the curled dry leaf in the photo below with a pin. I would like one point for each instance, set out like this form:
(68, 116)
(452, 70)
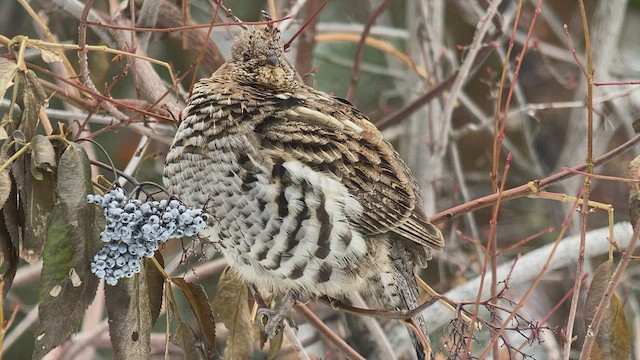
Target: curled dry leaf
(49, 54)
(44, 155)
(230, 306)
(613, 340)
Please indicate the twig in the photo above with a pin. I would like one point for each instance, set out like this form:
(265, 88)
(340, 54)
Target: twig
(402, 114)
(592, 329)
(20, 328)
(205, 44)
(573, 51)
(573, 309)
(208, 268)
(147, 18)
(355, 75)
(92, 320)
(536, 281)
(525, 189)
(463, 73)
(306, 42)
(301, 351)
(139, 128)
(293, 13)
(374, 43)
(82, 339)
(490, 253)
(112, 168)
(183, 28)
(198, 38)
(375, 30)
(83, 63)
(134, 162)
(324, 330)
(377, 333)
(149, 79)
(533, 107)
(530, 265)
(500, 118)
(45, 29)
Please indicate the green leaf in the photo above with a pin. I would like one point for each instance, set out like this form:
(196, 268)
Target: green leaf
(36, 201)
(230, 306)
(8, 71)
(613, 340)
(199, 303)
(72, 240)
(187, 339)
(57, 256)
(129, 306)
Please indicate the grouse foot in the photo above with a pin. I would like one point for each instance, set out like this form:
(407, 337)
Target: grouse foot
(272, 321)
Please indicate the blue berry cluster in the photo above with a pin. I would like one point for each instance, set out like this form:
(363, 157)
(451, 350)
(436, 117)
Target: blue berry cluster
(135, 229)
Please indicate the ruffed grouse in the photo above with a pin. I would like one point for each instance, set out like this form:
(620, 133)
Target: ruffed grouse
(308, 198)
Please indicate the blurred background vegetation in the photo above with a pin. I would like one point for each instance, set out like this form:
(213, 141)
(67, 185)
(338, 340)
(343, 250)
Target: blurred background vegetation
(414, 49)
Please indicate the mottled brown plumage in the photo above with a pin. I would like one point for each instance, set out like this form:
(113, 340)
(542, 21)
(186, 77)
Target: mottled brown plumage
(308, 197)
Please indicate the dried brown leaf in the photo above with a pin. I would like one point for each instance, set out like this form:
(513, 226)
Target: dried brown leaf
(199, 302)
(10, 217)
(155, 285)
(8, 70)
(230, 306)
(275, 345)
(32, 98)
(130, 316)
(9, 256)
(613, 340)
(5, 183)
(186, 338)
(43, 154)
(3, 133)
(633, 172)
(49, 54)
(43, 159)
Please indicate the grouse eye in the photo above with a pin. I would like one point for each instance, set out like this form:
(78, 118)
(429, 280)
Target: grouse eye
(246, 57)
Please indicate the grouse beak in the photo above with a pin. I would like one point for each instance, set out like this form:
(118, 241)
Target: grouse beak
(273, 60)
